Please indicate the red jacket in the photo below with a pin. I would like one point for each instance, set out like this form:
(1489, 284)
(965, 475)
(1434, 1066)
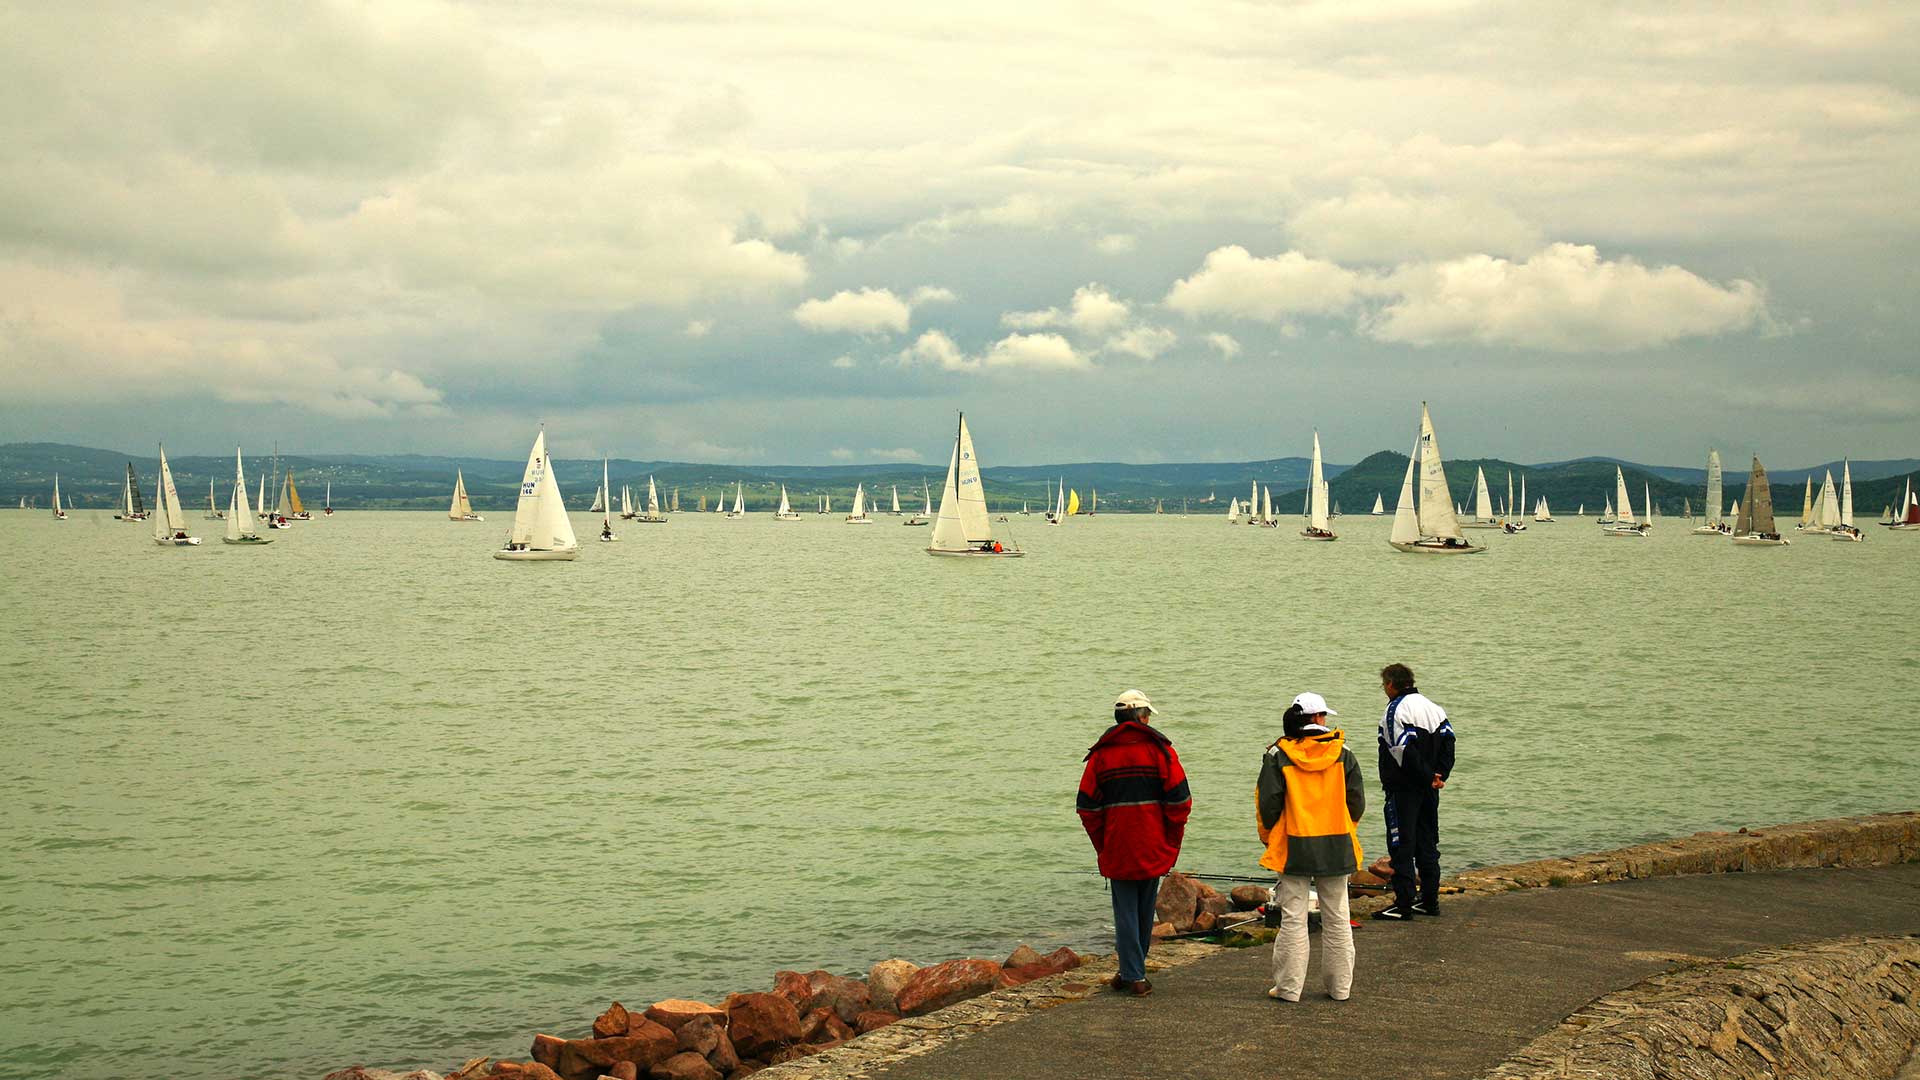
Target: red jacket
(1134, 802)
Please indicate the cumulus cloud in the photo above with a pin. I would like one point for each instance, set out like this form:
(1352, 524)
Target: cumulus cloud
(1565, 298)
(1145, 342)
(1114, 244)
(865, 311)
(936, 348)
(1042, 352)
(1094, 310)
(1232, 282)
(1374, 225)
(842, 362)
(699, 328)
(1224, 344)
(934, 294)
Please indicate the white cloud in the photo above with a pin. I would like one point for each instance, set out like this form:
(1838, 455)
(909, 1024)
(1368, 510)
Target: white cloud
(1233, 282)
(1114, 244)
(699, 328)
(1373, 225)
(866, 311)
(1145, 342)
(898, 453)
(840, 453)
(934, 294)
(1093, 311)
(1225, 344)
(936, 348)
(1043, 352)
(843, 361)
(1566, 298)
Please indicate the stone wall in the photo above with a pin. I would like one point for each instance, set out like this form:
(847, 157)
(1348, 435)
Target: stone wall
(1838, 1010)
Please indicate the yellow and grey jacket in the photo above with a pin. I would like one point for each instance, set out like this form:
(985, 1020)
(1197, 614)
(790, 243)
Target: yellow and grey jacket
(1310, 795)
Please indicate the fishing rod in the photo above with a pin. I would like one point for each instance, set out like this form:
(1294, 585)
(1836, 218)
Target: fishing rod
(1267, 881)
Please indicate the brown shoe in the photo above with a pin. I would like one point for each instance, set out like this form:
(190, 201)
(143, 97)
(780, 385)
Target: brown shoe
(1142, 988)
(1117, 982)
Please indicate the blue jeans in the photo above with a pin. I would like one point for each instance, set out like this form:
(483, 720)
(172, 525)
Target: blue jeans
(1133, 924)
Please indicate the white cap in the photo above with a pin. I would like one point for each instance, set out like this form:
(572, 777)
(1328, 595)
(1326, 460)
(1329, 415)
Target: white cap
(1134, 699)
(1311, 703)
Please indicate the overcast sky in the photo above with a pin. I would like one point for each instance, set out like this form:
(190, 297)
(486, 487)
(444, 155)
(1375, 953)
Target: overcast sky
(808, 233)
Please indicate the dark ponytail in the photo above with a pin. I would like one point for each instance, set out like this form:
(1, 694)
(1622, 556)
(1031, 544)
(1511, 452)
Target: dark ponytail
(1293, 722)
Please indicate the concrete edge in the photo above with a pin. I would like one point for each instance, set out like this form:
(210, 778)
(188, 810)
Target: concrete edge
(1833, 1009)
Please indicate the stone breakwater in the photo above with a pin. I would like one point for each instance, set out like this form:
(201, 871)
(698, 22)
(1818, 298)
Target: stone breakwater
(1835, 1009)
(819, 1024)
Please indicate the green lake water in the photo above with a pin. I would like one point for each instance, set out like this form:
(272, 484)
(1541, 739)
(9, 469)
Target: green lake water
(369, 795)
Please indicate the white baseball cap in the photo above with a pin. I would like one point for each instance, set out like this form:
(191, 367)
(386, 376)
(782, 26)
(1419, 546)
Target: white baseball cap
(1134, 699)
(1311, 703)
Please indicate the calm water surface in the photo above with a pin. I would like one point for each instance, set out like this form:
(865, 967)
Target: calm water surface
(369, 795)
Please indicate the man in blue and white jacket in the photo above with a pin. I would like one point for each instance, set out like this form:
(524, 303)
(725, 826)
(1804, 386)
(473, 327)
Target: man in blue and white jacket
(1416, 757)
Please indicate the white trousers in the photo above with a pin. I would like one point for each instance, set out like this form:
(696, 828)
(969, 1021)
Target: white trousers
(1290, 945)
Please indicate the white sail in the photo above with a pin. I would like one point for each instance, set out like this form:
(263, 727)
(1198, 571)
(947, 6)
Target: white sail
(462, 507)
(1829, 513)
(859, 503)
(606, 508)
(785, 509)
(739, 497)
(1406, 521)
(653, 499)
(1509, 509)
(168, 518)
(1253, 502)
(1646, 500)
(59, 513)
(896, 498)
(1620, 496)
(1266, 504)
(261, 509)
(962, 523)
(540, 518)
(1846, 492)
(1436, 501)
(126, 495)
(1482, 501)
(1379, 507)
(237, 507)
(1317, 491)
(599, 500)
(926, 501)
(1715, 488)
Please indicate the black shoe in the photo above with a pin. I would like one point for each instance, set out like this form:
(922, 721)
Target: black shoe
(1429, 908)
(1394, 914)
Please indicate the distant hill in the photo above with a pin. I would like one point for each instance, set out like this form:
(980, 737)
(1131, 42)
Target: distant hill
(92, 478)
(1732, 463)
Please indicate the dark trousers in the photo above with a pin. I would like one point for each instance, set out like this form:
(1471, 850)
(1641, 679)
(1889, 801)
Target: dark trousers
(1133, 924)
(1413, 844)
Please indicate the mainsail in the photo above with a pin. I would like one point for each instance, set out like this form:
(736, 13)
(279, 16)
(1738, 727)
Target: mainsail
(1715, 495)
(1757, 514)
(462, 507)
(1436, 502)
(168, 518)
(1620, 495)
(1317, 518)
(540, 519)
(962, 524)
(1406, 521)
(1846, 493)
(1829, 513)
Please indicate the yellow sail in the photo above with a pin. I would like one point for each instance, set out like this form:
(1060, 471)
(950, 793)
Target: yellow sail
(293, 495)
(1073, 502)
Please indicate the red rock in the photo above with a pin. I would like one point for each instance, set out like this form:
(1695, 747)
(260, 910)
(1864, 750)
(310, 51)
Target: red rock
(885, 980)
(847, 998)
(673, 1012)
(685, 1065)
(723, 1056)
(762, 1023)
(746, 1068)
(873, 1020)
(787, 1053)
(1178, 902)
(624, 1070)
(1248, 897)
(793, 986)
(506, 1068)
(537, 1071)
(648, 1045)
(1021, 957)
(546, 1050)
(1164, 930)
(943, 984)
(1205, 920)
(1055, 962)
(1206, 890)
(1215, 905)
(699, 1035)
(823, 1026)
(612, 1022)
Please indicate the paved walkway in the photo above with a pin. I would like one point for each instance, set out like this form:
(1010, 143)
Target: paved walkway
(1450, 997)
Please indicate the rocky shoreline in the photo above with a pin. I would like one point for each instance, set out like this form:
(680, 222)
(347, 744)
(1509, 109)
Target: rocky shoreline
(844, 1023)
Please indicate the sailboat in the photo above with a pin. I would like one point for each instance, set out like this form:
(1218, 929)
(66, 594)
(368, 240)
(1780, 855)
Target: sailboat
(541, 531)
(1379, 507)
(1429, 526)
(1907, 514)
(290, 506)
(462, 508)
(1233, 511)
(1073, 502)
(1541, 513)
(1713, 525)
(720, 503)
(327, 507)
(1826, 507)
(673, 504)
(1024, 511)
(213, 510)
(1646, 492)
(607, 535)
(1580, 511)
(626, 502)
(131, 507)
(651, 515)
(925, 516)
(58, 513)
(599, 500)
(1058, 515)
(1266, 508)
(1482, 504)
(1606, 514)
(260, 508)
(739, 500)
(786, 511)
(962, 527)
(169, 521)
(240, 527)
(1319, 525)
(1093, 505)
(1753, 524)
(1623, 523)
(1845, 529)
(859, 515)
(1806, 506)
(1510, 522)
(896, 501)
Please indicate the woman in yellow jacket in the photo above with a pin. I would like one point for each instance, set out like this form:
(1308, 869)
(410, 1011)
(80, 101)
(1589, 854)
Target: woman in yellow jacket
(1310, 795)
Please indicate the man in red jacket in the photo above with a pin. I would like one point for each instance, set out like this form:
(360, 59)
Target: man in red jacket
(1134, 802)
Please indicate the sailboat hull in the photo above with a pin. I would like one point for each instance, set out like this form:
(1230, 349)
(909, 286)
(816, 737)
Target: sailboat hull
(1711, 530)
(1848, 538)
(248, 541)
(1479, 525)
(1761, 541)
(859, 521)
(1309, 534)
(557, 555)
(1617, 530)
(1431, 547)
(917, 520)
(470, 517)
(976, 553)
(182, 541)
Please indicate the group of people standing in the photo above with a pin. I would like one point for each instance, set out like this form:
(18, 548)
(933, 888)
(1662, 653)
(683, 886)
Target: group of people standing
(1134, 801)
